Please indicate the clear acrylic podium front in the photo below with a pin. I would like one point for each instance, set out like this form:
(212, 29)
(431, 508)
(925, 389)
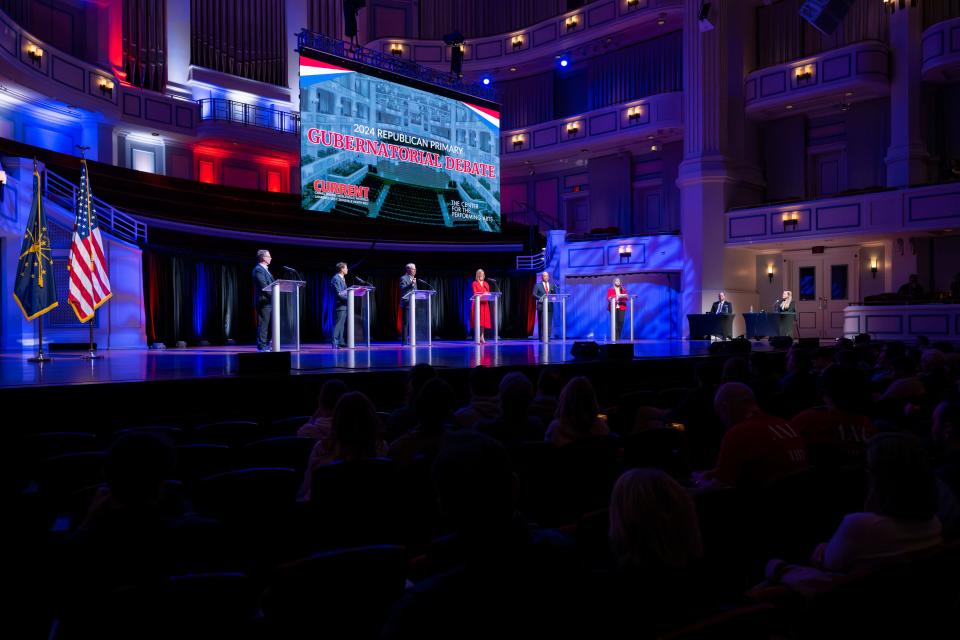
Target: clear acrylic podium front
(419, 300)
(364, 293)
(549, 300)
(613, 315)
(291, 312)
(483, 298)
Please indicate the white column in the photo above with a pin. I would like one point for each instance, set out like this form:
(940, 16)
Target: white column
(907, 158)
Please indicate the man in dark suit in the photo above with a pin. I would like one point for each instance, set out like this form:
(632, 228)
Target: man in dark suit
(339, 284)
(261, 299)
(723, 306)
(408, 283)
(542, 288)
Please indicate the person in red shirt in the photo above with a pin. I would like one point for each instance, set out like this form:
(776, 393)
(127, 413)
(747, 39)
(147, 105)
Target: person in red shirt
(621, 304)
(837, 433)
(480, 285)
(757, 447)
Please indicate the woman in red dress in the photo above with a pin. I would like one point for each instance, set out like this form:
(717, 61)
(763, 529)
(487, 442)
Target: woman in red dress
(480, 285)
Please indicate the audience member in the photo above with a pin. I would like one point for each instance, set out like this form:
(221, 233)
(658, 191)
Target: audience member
(356, 434)
(318, 426)
(912, 288)
(549, 386)
(798, 388)
(577, 414)
(933, 374)
(494, 572)
(946, 439)
(757, 447)
(514, 424)
(433, 407)
(405, 418)
(837, 433)
(483, 398)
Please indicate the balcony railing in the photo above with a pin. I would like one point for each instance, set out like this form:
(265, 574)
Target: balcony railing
(250, 115)
(121, 225)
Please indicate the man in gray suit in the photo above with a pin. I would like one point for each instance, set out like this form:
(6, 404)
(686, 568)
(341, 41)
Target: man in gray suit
(408, 283)
(339, 284)
(261, 299)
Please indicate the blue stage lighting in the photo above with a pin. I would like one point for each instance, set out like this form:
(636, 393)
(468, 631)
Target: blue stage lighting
(564, 61)
(486, 80)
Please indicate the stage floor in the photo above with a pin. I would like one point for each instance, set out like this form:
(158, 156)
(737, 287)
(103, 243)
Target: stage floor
(139, 365)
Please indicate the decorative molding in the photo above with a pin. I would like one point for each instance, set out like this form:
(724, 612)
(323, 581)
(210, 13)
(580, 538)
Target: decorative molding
(941, 52)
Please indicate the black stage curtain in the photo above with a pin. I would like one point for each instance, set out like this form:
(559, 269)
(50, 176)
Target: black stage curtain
(190, 297)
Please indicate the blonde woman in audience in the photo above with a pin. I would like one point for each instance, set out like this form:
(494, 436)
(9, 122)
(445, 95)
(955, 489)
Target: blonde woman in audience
(578, 415)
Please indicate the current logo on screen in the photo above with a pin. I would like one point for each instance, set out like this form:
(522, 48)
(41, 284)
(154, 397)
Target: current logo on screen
(342, 190)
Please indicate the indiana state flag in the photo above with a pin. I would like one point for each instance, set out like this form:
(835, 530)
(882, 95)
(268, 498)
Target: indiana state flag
(35, 290)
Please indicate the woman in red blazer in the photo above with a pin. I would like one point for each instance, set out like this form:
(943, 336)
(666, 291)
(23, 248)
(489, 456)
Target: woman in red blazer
(480, 285)
(615, 290)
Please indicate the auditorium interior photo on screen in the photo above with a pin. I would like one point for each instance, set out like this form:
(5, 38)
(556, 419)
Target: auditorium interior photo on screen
(480, 318)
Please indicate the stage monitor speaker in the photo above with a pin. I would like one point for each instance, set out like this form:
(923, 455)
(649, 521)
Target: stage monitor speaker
(263, 362)
(585, 349)
(825, 15)
(617, 351)
(781, 342)
(809, 343)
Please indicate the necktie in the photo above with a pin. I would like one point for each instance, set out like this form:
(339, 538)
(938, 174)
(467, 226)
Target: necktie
(719, 307)
(546, 287)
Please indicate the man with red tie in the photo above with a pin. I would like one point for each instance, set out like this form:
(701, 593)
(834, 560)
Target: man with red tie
(617, 291)
(541, 289)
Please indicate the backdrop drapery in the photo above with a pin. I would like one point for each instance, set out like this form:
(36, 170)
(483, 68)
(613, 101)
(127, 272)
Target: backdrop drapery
(782, 35)
(193, 297)
(478, 18)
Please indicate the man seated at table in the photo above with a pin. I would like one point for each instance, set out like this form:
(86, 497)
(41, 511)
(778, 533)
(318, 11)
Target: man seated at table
(722, 306)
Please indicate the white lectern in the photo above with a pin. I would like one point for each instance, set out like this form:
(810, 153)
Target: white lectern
(613, 316)
(358, 291)
(276, 288)
(411, 300)
(482, 298)
(547, 301)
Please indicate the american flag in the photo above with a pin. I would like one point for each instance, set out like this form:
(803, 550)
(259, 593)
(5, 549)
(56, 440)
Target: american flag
(89, 281)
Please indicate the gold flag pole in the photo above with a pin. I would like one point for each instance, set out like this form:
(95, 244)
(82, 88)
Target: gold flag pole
(41, 357)
(92, 352)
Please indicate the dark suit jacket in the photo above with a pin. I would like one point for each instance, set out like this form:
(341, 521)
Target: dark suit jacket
(407, 284)
(727, 307)
(340, 290)
(790, 309)
(261, 279)
(539, 291)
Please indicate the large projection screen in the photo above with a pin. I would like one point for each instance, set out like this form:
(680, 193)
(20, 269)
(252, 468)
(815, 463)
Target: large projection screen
(377, 145)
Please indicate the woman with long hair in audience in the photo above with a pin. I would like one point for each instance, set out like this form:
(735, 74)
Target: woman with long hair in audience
(355, 434)
(657, 581)
(577, 414)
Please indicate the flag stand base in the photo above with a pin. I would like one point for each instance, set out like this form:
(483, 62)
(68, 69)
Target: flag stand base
(41, 357)
(91, 355)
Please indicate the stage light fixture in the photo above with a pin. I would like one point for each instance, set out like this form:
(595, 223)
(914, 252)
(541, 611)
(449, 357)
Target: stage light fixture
(517, 141)
(396, 49)
(563, 61)
(634, 113)
(804, 73)
(517, 42)
(572, 129)
(571, 23)
(486, 80)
